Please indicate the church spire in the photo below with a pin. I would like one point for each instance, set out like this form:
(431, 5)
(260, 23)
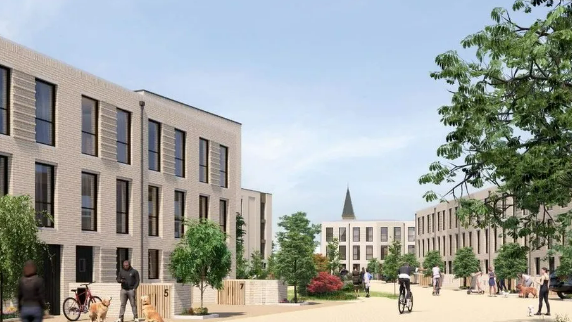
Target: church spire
(348, 212)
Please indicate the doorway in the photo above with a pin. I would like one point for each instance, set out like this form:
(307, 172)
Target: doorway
(51, 273)
(84, 264)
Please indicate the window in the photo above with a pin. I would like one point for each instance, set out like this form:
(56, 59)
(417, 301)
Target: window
(121, 254)
(411, 249)
(329, 234)
(4, 101)
(153, 209)
(45, 112)
(537, 265)
(88, 202)
(369, 252)
(397, 233)
(456, 218)
(419, 226)
(3, 176)
(450, 218)
(153, 264)
(369, 234)
(456, 242)
(384, 252)
(478, 241)
(356, 252)
(438, 220)
(123, 136)
(154, 146)
(450, 245)
(423, 241)
(122, 202)
(203, 207)
(433, 222)
(89, 115)
(203, 160)
(551, 264)
(180, 139)
(179, 214)
(471, 239)
(342, 234)
(486, 241)
(223, 217)
(423, 224)
(356, 234)
(45, 195)
(342, 249)
(495, 238)
(384, 234)
(223, 166)
(410, 234)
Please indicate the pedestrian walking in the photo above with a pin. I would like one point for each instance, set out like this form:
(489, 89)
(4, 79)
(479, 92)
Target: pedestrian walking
(129, 279)
(31, 289)
(544, 279)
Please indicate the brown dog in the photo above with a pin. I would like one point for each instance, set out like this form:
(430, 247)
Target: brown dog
(149, 310)
(98, 311)
(525, 291)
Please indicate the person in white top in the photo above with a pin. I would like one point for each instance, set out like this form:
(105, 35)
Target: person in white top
(436, 278)
(526, 280)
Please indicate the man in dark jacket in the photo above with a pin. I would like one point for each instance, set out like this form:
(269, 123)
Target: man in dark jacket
(31, 294)
(129, 279)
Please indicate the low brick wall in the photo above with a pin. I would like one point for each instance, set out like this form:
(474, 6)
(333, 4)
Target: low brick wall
(256, 292)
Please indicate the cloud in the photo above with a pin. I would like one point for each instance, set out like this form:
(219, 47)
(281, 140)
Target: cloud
(25, 18)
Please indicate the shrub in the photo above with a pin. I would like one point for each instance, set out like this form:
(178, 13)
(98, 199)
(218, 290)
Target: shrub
(325, 283)
(348, 286)
(198, 311)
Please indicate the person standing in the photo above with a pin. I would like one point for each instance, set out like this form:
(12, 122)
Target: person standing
(436, 278)
(526, 280)
(129, 279)
(366, 282)
(544, 279)
(31, 291)
(361, 277)
(356, 280)
(492, 283)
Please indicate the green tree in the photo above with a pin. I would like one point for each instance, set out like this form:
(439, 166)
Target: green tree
(333, 255)
(374, 266)
(241, 262)
(202, 257)
(409, 258)
(392, 261)
(321, 263)
(511, 117)
(465, 263)
(271, 265)
(19, 240)
(511, 261)
(294, 260)
(432, 259)
(256, 270)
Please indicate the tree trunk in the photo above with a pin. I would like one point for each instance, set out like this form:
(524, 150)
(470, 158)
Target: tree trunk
(1, 297)
(295, 284)
(202, 292)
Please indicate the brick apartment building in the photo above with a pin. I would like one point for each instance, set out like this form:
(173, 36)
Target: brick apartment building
(256, 209)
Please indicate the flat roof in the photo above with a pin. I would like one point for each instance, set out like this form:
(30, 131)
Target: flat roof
(187, 105)
(268, 193)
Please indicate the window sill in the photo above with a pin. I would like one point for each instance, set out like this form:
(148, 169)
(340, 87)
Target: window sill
(89, 231)
(47, 228)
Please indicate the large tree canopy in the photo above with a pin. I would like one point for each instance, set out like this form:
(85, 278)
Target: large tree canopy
(511, 113)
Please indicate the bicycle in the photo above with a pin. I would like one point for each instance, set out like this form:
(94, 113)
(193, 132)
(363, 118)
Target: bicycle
(437, 286)
(403, 302)
(80, 303)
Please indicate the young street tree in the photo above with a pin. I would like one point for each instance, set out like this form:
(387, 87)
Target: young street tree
(321, 263)
(409, 258)
(432, 259)
(374, 266)
(19, 241)
(392, 261)
(202, 257)
(333, 255)
(511, 260)
(294, 260)
(510, 113)
(257, 270)
(241, 262)
(465, 263)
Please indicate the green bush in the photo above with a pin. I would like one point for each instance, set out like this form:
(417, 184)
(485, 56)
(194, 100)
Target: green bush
(348, 287)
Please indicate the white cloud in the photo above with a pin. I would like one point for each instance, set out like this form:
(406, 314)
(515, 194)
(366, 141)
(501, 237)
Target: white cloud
(24, 18)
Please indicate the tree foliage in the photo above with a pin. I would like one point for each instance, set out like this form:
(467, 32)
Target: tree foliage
(392, 261)
(432, 259)
(241, 262)
(465, 263)
(512, 120)
(294, 260)
(325, 283)
(256, 268)
(321, 263)
(511, 261)
(374, 266)
(202, 257)
(333, 255)
(409, 258)
(271, 264)
(19, 240)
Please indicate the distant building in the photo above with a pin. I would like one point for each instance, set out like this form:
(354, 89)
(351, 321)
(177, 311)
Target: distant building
(256, 209)
(367, 239)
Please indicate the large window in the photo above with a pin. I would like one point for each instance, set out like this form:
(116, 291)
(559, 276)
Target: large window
(122, 205)
(153, 255)
(203, 207)
(342, 234)
(329, 234)
(223, 166)
(180, 139)
(343, 251)
(153, 208)
(410, 234)
(369, 234)
(397, 233)
(45, 195)
(384, 235)
(3, 176)
(369, 252)
(384, 252)
(411, 249)
(356, 234)
(123, 136)
(121, 255)
(356, 254)
(89, 114)
(223, 217)
(154, 146)
(45, 112)
(478, 241)
(203, 160)
(4, 101)
(179, 214)
(88, 201)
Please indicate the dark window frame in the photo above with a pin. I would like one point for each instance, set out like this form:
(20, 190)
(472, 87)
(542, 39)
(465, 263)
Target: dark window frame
(153, 217)
(344, 234)
(224, 172)
(223, 217)
(356, 255)
(119, 214)
(119, 258)
(395, 230)
(369, 234)
(383, 254)
(150, 151)
(118, 142)
(206, 207)
(204, 167)
(356, 237)
(6, 109)
(94, 202)
(179, 218)
(386, 234)
(42, 220)
(183, 158)
(343, 254)
(4, 174)
(409, 234)
(329, 234)
(369, 252)
(153, 274)
(53, 113)
(96, 127)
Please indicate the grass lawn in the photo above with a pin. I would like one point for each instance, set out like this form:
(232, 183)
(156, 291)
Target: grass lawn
(338, 296)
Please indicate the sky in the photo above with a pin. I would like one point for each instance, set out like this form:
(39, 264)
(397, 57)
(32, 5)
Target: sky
(330, 93)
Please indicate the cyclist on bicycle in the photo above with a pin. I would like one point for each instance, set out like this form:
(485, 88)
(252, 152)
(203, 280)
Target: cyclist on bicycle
(436, 273)
(404, 278)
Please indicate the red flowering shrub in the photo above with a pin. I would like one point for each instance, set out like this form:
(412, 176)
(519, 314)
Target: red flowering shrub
(325, 283)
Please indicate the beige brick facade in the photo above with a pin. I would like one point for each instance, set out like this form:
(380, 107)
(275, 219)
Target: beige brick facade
(257, 213)
(66, 156)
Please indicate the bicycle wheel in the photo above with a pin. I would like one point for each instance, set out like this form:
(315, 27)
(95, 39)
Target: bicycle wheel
(93, 299)
(71, 309)
(401, 303)
(410, 302)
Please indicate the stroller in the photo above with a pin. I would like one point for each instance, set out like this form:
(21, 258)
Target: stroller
(475, 285)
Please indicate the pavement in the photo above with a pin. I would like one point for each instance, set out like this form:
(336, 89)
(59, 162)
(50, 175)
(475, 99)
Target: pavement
(451, 305)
